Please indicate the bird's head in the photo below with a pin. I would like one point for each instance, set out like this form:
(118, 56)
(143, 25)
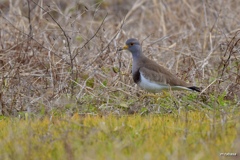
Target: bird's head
(133, 46)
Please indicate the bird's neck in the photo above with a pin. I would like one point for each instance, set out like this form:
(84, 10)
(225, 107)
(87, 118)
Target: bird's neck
(137, 55)
(136, 61)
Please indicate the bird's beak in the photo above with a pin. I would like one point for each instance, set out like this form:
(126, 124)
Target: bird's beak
(123, 48)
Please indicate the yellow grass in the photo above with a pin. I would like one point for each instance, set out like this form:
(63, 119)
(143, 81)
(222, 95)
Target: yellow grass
(189, 135)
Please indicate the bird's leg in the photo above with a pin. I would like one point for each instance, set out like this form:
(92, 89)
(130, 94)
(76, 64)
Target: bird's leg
(156, 96)
(148, 95)
(165, 94)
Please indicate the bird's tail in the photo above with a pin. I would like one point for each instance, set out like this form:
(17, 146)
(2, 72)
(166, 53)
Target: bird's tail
(194, 88)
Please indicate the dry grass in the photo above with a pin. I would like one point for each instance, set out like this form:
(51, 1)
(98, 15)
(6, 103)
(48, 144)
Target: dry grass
(61, 55)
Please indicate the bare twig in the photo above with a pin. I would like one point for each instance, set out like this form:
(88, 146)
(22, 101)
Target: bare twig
(91, 37)
(116, 34)
(67, 40)
(29, 19)
(229, 49)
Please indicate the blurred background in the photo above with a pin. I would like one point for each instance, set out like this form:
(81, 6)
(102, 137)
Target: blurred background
(61, 56)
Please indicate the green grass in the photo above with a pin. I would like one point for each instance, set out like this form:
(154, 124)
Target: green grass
(186, 135)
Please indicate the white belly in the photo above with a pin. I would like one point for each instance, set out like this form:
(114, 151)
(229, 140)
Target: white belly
(155, 87)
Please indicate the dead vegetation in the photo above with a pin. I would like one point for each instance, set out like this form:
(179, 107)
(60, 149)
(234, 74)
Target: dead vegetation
(60, 55)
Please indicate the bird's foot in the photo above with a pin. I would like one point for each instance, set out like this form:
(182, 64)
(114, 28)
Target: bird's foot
(155, 96)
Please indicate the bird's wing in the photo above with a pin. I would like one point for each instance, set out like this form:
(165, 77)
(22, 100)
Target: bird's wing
(160, 75)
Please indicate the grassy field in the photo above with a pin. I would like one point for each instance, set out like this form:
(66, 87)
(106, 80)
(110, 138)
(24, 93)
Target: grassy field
(66, 93)
(187, 135)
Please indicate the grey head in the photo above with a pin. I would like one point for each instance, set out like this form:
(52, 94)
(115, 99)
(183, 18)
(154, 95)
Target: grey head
(133, 46)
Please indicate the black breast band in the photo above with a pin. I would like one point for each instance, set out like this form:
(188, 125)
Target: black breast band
(136, 77)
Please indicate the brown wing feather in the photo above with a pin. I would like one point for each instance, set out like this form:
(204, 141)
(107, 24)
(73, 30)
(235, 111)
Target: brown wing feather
(159, 74)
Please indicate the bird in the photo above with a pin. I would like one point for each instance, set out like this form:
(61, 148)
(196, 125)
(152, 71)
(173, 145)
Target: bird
(151, 76)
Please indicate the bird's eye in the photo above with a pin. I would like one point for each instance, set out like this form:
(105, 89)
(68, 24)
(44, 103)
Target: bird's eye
(131, 44)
